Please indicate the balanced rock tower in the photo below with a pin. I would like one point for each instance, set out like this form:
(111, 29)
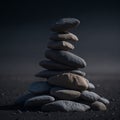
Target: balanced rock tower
(65, 87)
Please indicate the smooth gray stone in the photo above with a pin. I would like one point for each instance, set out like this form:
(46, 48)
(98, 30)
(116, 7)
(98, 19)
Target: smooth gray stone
(51, 65)
(60, 45)
(89, 96)
(38, 101)
(64, 106)
(50, 73)
(65, 24)
(65, 57)
(104, 100)
(64, 94)
(21, 100)
(69, 81)
(98, 106)
(40, 87)
(64, 37)
(91, 86)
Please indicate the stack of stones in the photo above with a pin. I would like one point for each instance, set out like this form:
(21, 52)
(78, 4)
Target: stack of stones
(65, 87)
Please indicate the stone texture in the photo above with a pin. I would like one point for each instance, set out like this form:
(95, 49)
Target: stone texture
(40, 87)
(60, 45)
(104, 100)
(38, 101)
(98, 106)
(65, 57)
(64, 37)
(64, 94)
(51, 65)
(69, 80)
(50, 73)
(89, 96)
(64, 106)
(91, 86)
(65, 24)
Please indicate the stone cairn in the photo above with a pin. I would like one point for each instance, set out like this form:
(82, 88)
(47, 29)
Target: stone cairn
(66, 88)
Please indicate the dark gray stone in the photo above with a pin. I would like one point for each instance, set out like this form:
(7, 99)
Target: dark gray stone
(38, 101)
(104, 100)
(65, 24)
(64, 37)
(89, 96)
(40, 87)
(51, 65)
(60, 45)
(64, 106)
(64, 94)
(50, 73)
(65, 57)
(98, 106)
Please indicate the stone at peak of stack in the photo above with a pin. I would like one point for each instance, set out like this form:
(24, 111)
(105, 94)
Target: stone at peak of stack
(66, 88)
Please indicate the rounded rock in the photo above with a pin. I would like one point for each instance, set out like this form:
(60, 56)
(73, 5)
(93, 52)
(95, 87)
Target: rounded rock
(104, 100)
(64, 94)
(64, 37)
(98, 106)
(91, 86)
(60, 45)
(65, 57)
(65, 24)
(70, 81)
(40, 87)
(64, 106)
(38, 101)
(89, 96)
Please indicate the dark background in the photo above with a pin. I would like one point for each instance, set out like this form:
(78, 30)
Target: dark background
(25, 28)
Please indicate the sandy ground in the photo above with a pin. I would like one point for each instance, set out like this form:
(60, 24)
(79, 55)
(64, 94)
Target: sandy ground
(13, 86)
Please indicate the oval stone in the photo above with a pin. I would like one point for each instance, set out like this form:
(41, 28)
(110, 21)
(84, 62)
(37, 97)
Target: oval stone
(60, 45)
(65, 57)
(70, 81)
(64, 36)
(51, 65)
(64, 106)
(64, 94)
(104, 100)
(40, 87)
(98, 106)
(38, 101)
(50, 73)
(65, 24)
(89, 96)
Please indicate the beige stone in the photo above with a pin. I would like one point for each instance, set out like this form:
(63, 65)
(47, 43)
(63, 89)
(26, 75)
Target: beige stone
(69, 80)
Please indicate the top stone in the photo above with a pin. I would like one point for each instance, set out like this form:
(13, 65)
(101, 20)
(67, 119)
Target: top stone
(65, 24)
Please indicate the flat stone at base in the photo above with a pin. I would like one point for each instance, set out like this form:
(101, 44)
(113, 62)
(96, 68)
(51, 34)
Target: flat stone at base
(21, 100)
(69, 81)
(50, 73)
(40, 87)
(104, 100)
(64, 37)
(98, 106)
(64, 94)
(64, 106)
(60, 45)
(38, 101)
(89, 96)
(65, 57)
